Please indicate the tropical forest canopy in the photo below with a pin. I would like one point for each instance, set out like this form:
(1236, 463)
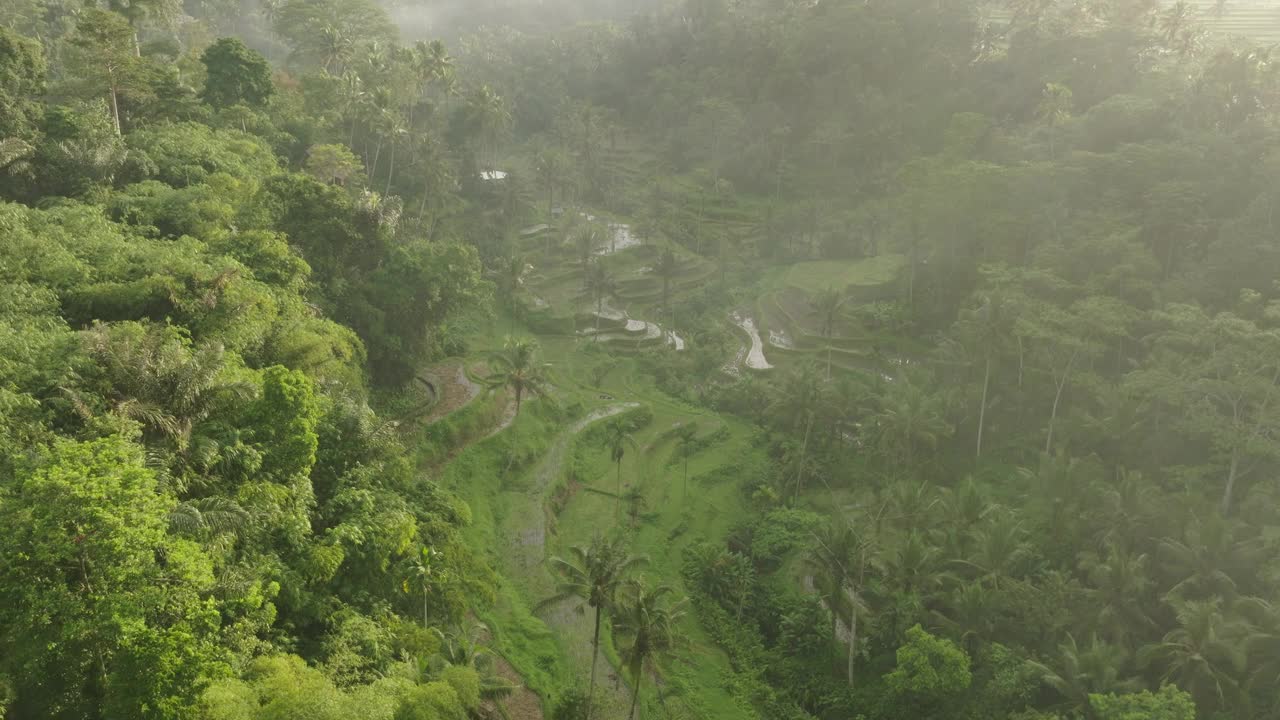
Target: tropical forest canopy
(709, 359)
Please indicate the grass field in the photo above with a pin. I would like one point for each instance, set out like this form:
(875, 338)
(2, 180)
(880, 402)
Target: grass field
(820, 275)
(546, 483)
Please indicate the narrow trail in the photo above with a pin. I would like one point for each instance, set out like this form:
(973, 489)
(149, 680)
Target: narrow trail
(526, 529)
(455, 388)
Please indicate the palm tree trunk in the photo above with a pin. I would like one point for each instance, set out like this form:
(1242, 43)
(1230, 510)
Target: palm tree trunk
(982, 411)
(853, 636)
(391, 165)
(1053, 415)
(595, 653)
(618, 504)
(635, 694)
(685, 492)
(804, 448)
(115, 108)
(1232, 475)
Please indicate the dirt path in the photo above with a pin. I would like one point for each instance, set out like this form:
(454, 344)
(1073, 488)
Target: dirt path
(455, 389)
(527, 532)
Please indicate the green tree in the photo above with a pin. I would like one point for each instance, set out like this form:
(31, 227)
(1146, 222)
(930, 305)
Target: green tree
(930, 670)
(600, 284)
(1218, 376)
(1206, 653)
(518, 369)
(910, 416)
(667, 268)
(333, 164)
(102, 55)
(686, 444)
(828, 305)
(22, 84)
(647, 624)
(841, 558)
(1169, 703)
(617, 438)
(594, 574)
(551, 171)
(1078, 672)
(1053, 111)
(102, 614)
(234, 74)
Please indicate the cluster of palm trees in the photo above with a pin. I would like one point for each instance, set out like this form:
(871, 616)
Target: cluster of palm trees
(898, 419)
(1136, 612)
(387, 101)
(644, 618)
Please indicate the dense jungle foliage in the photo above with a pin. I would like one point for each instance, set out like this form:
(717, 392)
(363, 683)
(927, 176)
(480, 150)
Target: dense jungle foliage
(324, 390)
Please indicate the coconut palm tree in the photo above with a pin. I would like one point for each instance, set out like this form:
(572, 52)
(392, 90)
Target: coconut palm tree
(489, 116)
(431, 65)
(840, 559)
(601, 284)
(1077, 672)
(686, 444)
(1054, 110)
(828, 305)
(646, 622)
(617, 438)
(464, 647)
(1209, 560)
(13, 153)
(1120, 587)
(1206, 655)
(594, 574)
(796, 406)
(550, 170)
(667, 268)
(586, 238)
(421, 572)
(909, 417)
(518, 369)
(1001, 548)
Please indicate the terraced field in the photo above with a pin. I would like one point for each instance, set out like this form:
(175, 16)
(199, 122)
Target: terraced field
(1256, 21)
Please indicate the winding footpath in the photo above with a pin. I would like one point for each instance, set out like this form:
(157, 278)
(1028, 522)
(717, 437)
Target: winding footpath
(526, 559)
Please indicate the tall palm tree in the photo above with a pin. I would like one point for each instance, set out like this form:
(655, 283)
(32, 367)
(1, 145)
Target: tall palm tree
(1054, 110)
(1209, 560)
(1078, 672)
(464, 647)
(646, 621)
(586, 238)
(1206, 655)
(667, 268)
(431, 65)
(13, 152)
(594, 574)
(617, 438)
(601, 284)
(1000, 549)
(1120, 585)
(828, 305)
(909, 417)
(796, 406)
(686, 443)
(518, 369)
(421, 572)
(840, 558)
(489, 116)
(549, 169)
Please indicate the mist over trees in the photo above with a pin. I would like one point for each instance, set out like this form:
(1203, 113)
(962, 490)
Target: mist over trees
(703, 358)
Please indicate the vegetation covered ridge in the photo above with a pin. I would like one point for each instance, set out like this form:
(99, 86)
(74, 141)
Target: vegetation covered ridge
(687, 359)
